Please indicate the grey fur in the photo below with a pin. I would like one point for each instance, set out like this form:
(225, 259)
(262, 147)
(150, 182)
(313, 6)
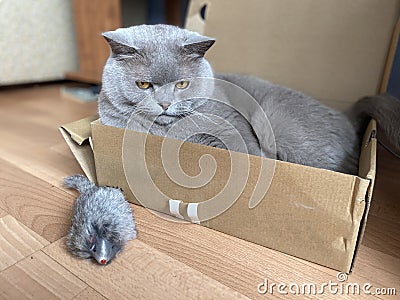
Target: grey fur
(102, 221)
(306, 131)
(383, 108)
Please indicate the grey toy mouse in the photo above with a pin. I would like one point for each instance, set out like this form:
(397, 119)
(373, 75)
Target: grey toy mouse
(102, 221)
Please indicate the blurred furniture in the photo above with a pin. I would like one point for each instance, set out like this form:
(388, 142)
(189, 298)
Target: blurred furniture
(391, 76)
(166, 12)
(92, 17)
(37, 41)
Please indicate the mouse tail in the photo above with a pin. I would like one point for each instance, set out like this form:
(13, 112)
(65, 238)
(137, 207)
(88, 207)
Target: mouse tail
(78, 182)
(385, 109)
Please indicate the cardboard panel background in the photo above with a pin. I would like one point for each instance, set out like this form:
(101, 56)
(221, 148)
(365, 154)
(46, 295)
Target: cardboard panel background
(335, 51)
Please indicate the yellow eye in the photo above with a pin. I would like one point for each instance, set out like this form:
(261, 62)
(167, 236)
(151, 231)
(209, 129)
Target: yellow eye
(143, 85)
(182, 84)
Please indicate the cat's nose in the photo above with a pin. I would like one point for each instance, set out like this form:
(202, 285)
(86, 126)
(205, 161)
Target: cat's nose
(165, 105)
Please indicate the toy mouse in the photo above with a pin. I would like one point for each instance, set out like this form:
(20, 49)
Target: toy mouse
(102, 221)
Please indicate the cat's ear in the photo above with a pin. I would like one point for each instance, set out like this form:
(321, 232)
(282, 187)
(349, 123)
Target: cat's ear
(198, 44)
(118, 45)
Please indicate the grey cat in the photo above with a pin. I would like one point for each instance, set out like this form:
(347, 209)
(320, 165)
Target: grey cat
(145, 58)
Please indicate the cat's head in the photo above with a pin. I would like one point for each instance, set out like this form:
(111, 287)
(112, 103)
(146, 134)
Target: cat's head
(148, 57)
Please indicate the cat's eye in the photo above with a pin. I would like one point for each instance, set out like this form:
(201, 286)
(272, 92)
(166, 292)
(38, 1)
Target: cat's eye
(182, 84)
(143, 85)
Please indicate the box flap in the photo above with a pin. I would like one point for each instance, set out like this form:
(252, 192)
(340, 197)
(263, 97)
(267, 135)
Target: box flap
(367, 163)
(367, 170)
(80, 130)
(77, 135)
(194, 20)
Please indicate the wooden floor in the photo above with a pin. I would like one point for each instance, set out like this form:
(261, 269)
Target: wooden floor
(168, 260)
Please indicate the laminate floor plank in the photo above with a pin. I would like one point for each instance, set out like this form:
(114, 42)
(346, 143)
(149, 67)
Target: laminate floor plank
(39, 277)
(17, 241)
(142, 272)
(39, 205)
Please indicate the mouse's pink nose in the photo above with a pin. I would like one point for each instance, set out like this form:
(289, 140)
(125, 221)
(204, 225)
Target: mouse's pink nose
(103, 261)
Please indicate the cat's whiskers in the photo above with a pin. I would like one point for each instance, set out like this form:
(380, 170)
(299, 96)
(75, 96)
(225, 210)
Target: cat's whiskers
(205, 117)
(142, 110)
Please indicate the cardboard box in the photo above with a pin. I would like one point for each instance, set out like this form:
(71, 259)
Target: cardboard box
(335, 51)
(314, 214)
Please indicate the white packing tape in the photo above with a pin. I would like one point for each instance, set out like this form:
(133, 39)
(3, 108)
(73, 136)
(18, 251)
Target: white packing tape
(174, 208)
(192, 212)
